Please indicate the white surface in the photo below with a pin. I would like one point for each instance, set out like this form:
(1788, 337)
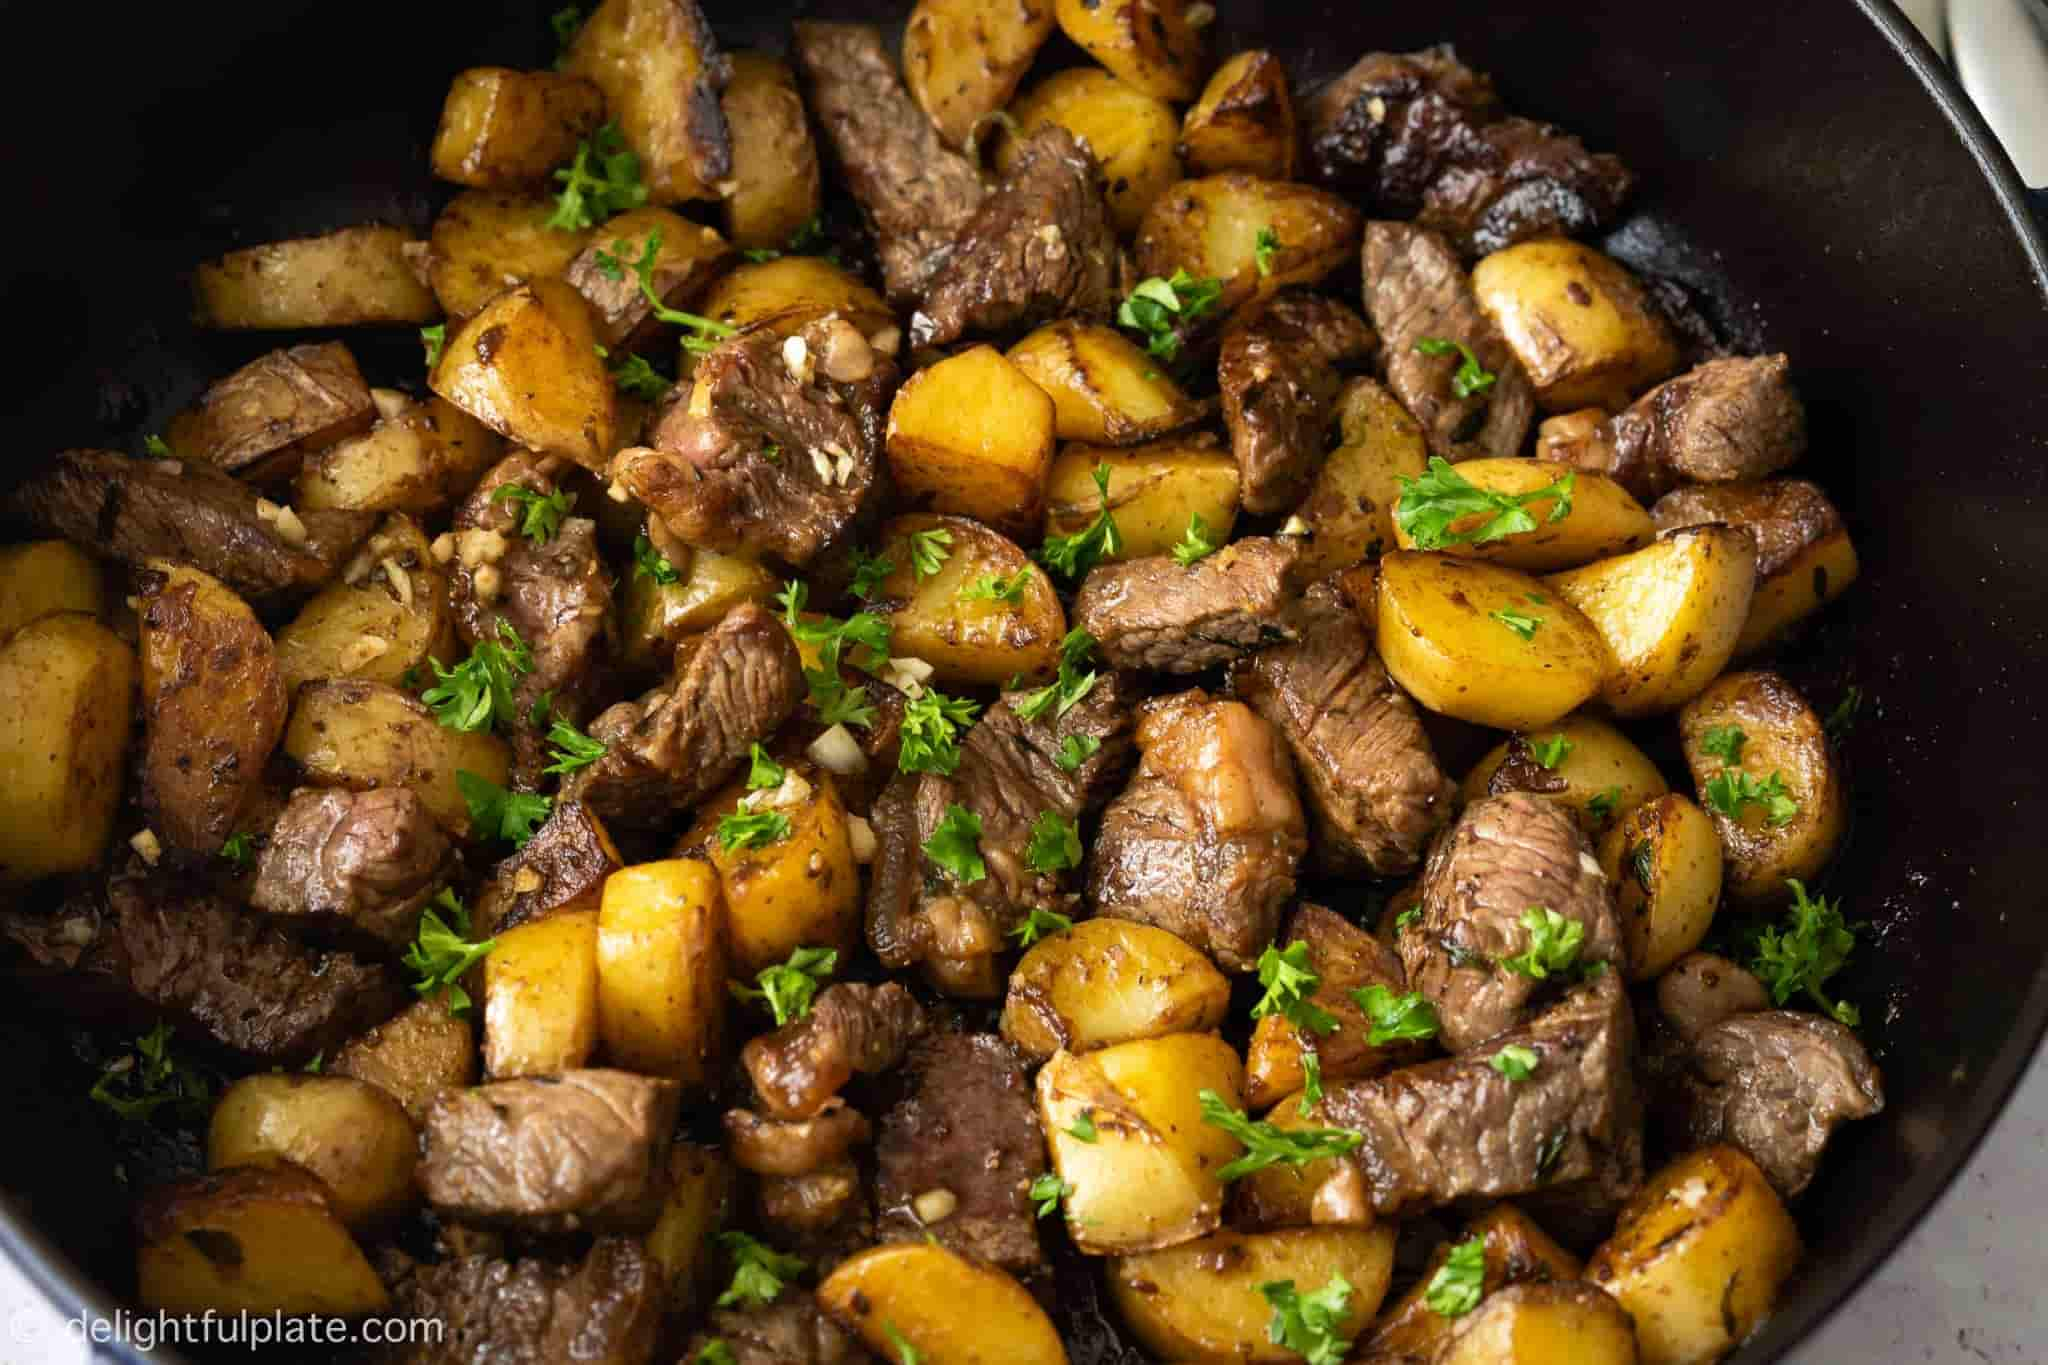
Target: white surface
(2003, 60)
(31, 1333)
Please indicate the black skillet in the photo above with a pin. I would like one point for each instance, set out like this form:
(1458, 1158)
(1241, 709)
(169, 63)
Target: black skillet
(1835, 197)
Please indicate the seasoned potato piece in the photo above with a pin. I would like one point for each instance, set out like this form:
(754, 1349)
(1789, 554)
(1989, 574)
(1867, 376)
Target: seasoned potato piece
(1130, 133)
(262, 420)
(1783, 742)
(661, 72)
(684, 1239)
(259, 1239)
(1443, 637)
(656, 617)
(790, 291)
(42, 577)
(348, 1132)
(1155, 45)
(1109, 981)
(1155, 492)
(1244, 121)
(973, 434)
(340, 279)
(1148, 1177)
(661, 964)
(418, 458)
(527, 367)
(485, 242)
(687, 259)
(1811, 579)
(413, 1056)
(67, 702)
(1285, 1196)
(541, 997)
(1578, 321)
(387, 622)
(1601, 775)
(1350, 509)
(940, 1305)
(962, 59)
(1516, 1251)
(1200, 1301)
(775, 181)
(1698, 1256)
(501, 129)
(1103, 388)
(1664, 860)
(1603, 521)
(1211, 227)
(1670, 614)
(364, 735)
(983, 641)
(1804, 559)
(1560, 1323)
(801, 891)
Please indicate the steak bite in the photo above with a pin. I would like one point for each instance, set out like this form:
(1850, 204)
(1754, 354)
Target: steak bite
(562, 868)
(1281, 370)
(355, 864)
(790, 1331)
(1157, 614)
(1783, 516)
(603, 1310)
(797, 1069)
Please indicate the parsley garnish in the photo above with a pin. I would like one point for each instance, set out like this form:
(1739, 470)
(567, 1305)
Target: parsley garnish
(789, 987)
(868, 573)
(571, 749)
(1074, 751)
(1311, 1081)
(929, 551)
(1073, 556)
(495, 813)
(1408, 917)
(1264, 249)
(650, 563)
(565, 23)
(1442, 496)
(1516, 1062)
(1266, 1145)
(716, 1352)
(1843, 718)
(1553, 943)
(1395, 1017)
(1311, 1325)
(1459, 1282)
(592, 193)
(931, 732)
(1813, 945)
(701, 334)
(1520, 623)
(956, 845)
(240, 848)
(752, 829)
(1290, 981)
(1158, 306)
(1082, 1129)
(434, 339)
(1472, 377)
(1601, 808)
(906, 1353)
(543, 516)
(1725, 743)
(995, 588)
(1729, 790)
(1550, 752)
(1047, 1191)
(836, 703)
(1068, 687)
(1195, 544)
(477, 693)
(441, 952)
(632, 375)
(1055, 844)
(158, 448)
(1040, 923)
(137, 1084)
(759, 1272)
(763, 772)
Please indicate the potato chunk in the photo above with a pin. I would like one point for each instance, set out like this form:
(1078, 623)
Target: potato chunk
(1599, 772)
(257, 1239)
(1244, 120)
(1154, 45)
(418, 458)
(1559, 1323)
(1130, 133)
(973, 641)
(261, 421)
(1516, 1250)
(39, 578)
(1603, 521)
(351, 1134)
(1212, 227)
(501, 129)
(413, 1056)
(1109, 981)
(67, 702)
(661, 966)
(486, 241)
(683, 1241)
(973, 434)
(661, 72)
(1664, 861)
(687, 257)
(1350, 507)
(790, 291)
(527, 367)
(359, 275)
(540, 1007)
(1104, 389)
(775, 181)
(940, 1305)
(962, 59)
(1578, 321)
(389, 622)
(1155, 492)
(364, 735)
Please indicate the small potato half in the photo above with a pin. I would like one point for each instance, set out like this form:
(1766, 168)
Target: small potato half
(1155, 45)
(388, 622)
(776, 185)
(962, 59)
(1601, 775)
(501, 129)
(967, 641)
(1155, 492)
(1664, 861)
(1603, 521)
(944, 1306)
(1130, 133)
(1211, 228)
(661, 969)
(485, 241)
(255, 1239)
(973, 435)
(1559, 1322)
(1578, 321)
(355, 276)
(527, 367)
(1104, 389)
(1244, 120)
(1350, 508)
(1516, 1250)
(67, 707)
(351, 1134)
(365, 735)
(789, 291)
(1109, 981)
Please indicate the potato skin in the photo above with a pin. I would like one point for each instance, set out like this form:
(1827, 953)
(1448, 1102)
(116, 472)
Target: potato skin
(261, 421)
(417, 458)
(1244, 121)
(790, 291)
(351, 1134)
(358, 275)
(67, 705)
(962, 59)
(968, 643)
(413, 1056)
(683, 1240)
(776, 184)
(1664, 861)
(659, 66)
(1108, 981)
(661, 968)
(1147, 43)
(1130, 133)
(540, 997)
(1604, 520)
(364, 735)
(527, 367)
(1350, 507)
(256, 1239)
(1155, 492)
(1516, 1250)
(1211, 227)
(973, 435)
(1578, 321)
(1104, 389)
(501, 128)
(947, 1307)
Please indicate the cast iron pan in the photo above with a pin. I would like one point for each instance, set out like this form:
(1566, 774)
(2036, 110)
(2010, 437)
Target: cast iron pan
(1808, 172)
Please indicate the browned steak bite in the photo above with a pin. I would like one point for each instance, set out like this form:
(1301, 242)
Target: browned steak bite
(790, 1331)
(1157, 614)
(1783, 516)
(357, 865)
(788, 1147)
(918, 193)
(562, 868)
(1280, 371)
(1039, 248)
(797, 1069)
(603, 1310)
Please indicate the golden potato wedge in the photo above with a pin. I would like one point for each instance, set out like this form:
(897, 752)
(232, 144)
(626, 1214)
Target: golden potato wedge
(944, 1306)
(563, 868)
(39, 578)
(979, 641)
(1155, 492)
(1558, 1323)
(527, 367)
(1451, 633)
(413, 1056)
(258, 1239)
(501, 129)
(1200, 1301)
(541, 997)
(1598, 771)
(1147, 1178)
(1811, 579)
(973, 435)
(487, 241)
(364, 735)
(386, 623)
(683, 1241)
(1130, 133)
(67, 704)
(1244, 121)
(659, 66)
(790, 291)
(355, 276)
(1516, 1250)
(1670, 614)
(1698, 1256)
(1784, 749)
(1578, 321)
(1104, 389)
(1350, 508)
(348, 1132)
(1604, 520)
(687, 257)
(962, 59)
(1804, 559)
(1286, 1196)
(1664, 860)
(261, 421)
(1346, 958)
(1154, 45)
(661, 967)
(1211, 228)
(1109, 981)
(655, 617)
(776, 187)
(418, 458)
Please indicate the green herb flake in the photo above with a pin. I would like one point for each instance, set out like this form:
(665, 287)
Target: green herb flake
(1725, 743)
(760, 1273)
(1158, 308)
(1310, 1325)
(1073, 556)
(1554, 943)
(929, 551)
(1266, 1145)
(441, 952)
(1800, 956)
(752, 829)
(931, 729)
(1459, 1282)
(1082, 1129)
(1520, 623)
(604, 179)
(477, 693)
(789, 987)
(1195, 545)
(650, 563)
(1471, 376)
(239, 848)
(1516, 1062)
(1039, 923)
(1550, 750)
(571, 749)
(1068, 687)
(1055, 844)
(1047, 1191)
(1395, 1018)
(1430, 506)
(1290, 980)
(495, 813)
(1265, 247)
(1074, 751)
(1732, 789)
(955, 846)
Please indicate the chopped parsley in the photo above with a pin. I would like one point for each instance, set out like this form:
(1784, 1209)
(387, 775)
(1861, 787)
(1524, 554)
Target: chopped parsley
(759, 1272)
(604, 179)
(1068, 687)
(1264, 248)
(1799, 958)
(543, 513)
(1550, 751)
(1082, 1129)
(1516, 1062)
(240, 848)
(1521, 623)
(1040, 923)
(434, 338)
(955, 846)
(716, 1352)
(565, 23)
(1471, 377)
(1055, 844)
(633, 376)
(1408, 917)
(1311, 1081)
(1602, 807)
(1157, 308)
(752, 829)
(138, 1083)
(700, 334)
(1266, 1145)
(571, 749)
(1395, 1018)
(906, 1354)
(1731, 789)
(1310, 1325)
(1430, 505)
(931, 730)
(837, 703)
(763, 772)
(1074, 751)
(495, 813)
(649, 562)
(1073, 556)
(868, 573)
(1290, 981)
(1554, 943)
(441, 951)
(1725, 743)
(1195, 544)
(929, 551)
(1843, 718)
(789, 987)
(1459, 1282)
(995, 588)
(1047, 1191)
(477, 693)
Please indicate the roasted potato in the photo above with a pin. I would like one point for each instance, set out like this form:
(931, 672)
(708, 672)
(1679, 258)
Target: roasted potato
(261, 421)
(687, 257)
(1109, 981)
(355, 276)
(67, 702)
(1155, 45)
(1603, 521)
(1104, 390)
(413, 1056)
(661, 72)
(776, 187)
(1155, 492)
(1600, 773)
(1555, 1323)
(917, 1296)
(527, 367)
(790, 291)
(1201, 1301)
(501, 129)
(1804, 559)
(1783, 743)
(39, 578)
(1670, 614)
(351, 1134)
(1147, 1178)
(1244, 121)
(1345, 958)
(1811, 579)
(1130, 133)
(973, 435)
(684, 1241)
(655, 617)
(389, 616)
(563, 868)
(661, 967)
(1451, 633)
(962, 59)
(1516, 1250)
(258, 1239)
(418, 458)
(1350, 508)
(1664, 861)
(982, 641)
(540, 1004)
(1578, 321)
(1698, 1256)
(364, 735)
(1211, 228)
(1289, 1196)
(486, 241)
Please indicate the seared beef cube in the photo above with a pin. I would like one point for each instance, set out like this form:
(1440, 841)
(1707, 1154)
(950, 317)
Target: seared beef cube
(1522, 771)
(918, 193)
(585, 1149)
(1701, 989)
(769, 1146)
(138, 510)
(1373, 782)
(604, 1310)
(1039, 248)
(1155, 613)
(1783, 516)
(851, 1028)
(262, 420)
(733, 686)
(1505, 857)
(956, 1158)
(354, 864)
(790, 1331)
(1205, 841)
(1280, 371)
(1417, 293)
(822, 1216)
(778, 449)
(562, 868)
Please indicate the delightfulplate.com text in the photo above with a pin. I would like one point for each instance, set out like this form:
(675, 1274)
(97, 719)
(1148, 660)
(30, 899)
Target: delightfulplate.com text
(253, 1331)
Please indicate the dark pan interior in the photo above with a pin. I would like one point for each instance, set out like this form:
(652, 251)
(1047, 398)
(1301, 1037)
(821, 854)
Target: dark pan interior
(1828, 206)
